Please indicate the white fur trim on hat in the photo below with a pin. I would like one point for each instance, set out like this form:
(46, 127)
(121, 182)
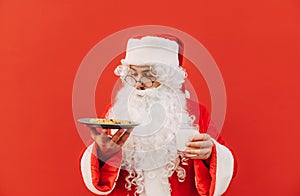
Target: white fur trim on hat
(150, 49)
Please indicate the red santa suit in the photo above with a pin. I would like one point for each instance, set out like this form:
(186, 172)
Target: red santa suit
(202, 177)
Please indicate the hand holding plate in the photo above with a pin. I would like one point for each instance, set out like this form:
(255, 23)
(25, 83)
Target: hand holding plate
(109, 146)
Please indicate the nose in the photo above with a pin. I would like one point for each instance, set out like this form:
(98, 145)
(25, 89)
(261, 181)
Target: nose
(139, 86)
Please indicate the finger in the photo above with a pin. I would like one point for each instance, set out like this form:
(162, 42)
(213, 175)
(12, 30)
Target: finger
(93, 132)
(129, 130)
(92, 135)
(104, 131)
(203, 156)
(124, 138)
(199, 144)
(116, 137)
(198, 152)
(190, 156)
(201, 137)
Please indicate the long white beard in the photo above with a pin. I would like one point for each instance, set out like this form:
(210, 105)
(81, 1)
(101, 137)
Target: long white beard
(151, 146)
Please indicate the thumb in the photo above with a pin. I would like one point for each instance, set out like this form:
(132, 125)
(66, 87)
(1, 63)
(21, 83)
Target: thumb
(93, 132)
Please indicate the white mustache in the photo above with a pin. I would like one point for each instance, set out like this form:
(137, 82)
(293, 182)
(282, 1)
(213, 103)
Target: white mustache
(148, 91)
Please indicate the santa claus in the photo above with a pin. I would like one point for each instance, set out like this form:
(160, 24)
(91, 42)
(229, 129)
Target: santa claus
(147, 159)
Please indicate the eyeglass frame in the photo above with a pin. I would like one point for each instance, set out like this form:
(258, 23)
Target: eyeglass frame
(140, 80)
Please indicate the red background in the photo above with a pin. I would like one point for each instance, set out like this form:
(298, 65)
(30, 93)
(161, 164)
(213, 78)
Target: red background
(255, 43)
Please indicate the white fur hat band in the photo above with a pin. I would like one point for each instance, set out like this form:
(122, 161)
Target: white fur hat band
(152, 49)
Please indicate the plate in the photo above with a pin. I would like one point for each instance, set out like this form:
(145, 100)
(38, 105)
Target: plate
(87, 121)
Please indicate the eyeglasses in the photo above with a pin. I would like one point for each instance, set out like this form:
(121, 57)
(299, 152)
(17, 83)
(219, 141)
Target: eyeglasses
(146, 81)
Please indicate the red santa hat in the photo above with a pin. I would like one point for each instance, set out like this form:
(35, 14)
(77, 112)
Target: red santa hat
(154, 49)
(162, 51)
